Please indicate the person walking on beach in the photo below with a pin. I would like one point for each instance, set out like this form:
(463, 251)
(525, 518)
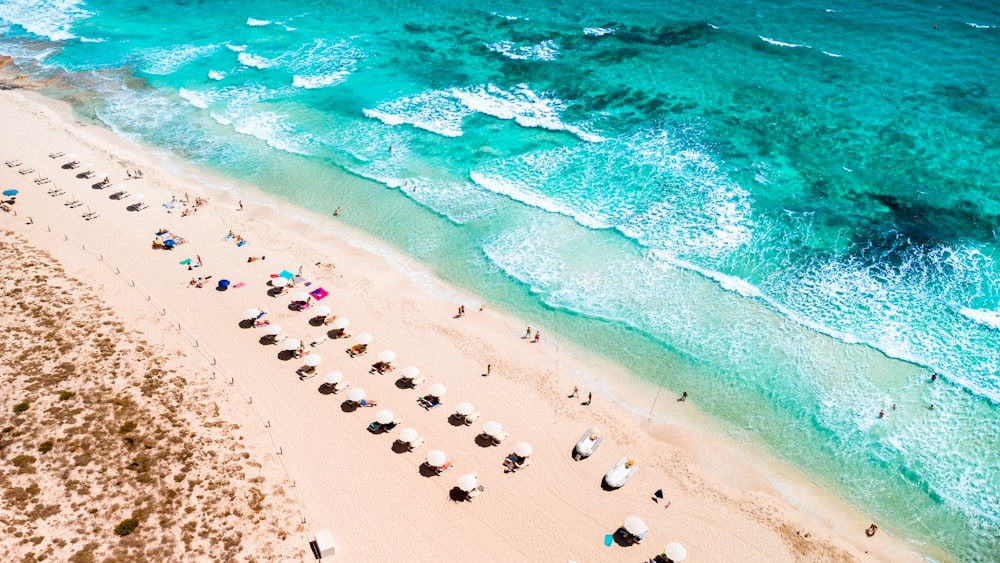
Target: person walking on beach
(684, 396)
(336, 212)
(590, 397)
(575, 393)
(198, 258)
(489, 368)
(881, 414)
(933, 377)
(528, 333)
(538, 335)
(241, 205)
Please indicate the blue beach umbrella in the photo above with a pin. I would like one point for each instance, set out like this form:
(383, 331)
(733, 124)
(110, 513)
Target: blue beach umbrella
(10, 193)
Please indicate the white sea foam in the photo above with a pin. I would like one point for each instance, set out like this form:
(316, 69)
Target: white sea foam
(980, 26)
(986, 317)
(508, 17)
(255, 61)
(220, 119)
(598, 31)
(257, 23)
(270, 127)
(713, 26)
(435, 111)
(829, 54)
(216, 74)
(169, 60)
(547, 50)
(782, 43)
(534, 198)
(236, 48)
(320, 63)
(196, 99)
(521, 104)
(49, 18)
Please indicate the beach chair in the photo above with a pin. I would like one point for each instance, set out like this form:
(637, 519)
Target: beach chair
(341, 387)
(497, 440)
(367, 403)
(56, 192)
(445, 468)
(56, 154)
(74, 203)
(41, 181)
(471, 417)
(89, 174)
(416, 443)
(26, 171)
(471, 495)
(357, 350)
(429, 402)
(90, 215)
(140, 206)
(12, 163)
(74, 164)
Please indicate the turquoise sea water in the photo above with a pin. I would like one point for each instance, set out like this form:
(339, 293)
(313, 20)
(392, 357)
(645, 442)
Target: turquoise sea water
(788, 209)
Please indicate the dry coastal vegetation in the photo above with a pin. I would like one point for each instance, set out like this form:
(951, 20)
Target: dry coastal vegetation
(110, 449)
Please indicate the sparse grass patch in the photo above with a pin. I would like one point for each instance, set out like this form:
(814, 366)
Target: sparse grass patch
(21, 407)
(127, 427)
(66, 395)
(45, 446)
(126, 526)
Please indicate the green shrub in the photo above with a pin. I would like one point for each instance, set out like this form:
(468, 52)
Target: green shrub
(45, 446)
(23, 461)
(66, 395)
(127, 427)
(21, 407)
(127, 526)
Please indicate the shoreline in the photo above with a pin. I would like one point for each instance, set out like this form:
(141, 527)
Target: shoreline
(282, 237)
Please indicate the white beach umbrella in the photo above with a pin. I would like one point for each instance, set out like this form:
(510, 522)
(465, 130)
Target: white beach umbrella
(364, 338)
(356, 394)
(251, 313)
(272, 330)
(121, 187)
(300, 296)
(384, 417)
(72, 155)
(88, 164)
(340, 323)
(103, 175)
(492, 428)
(635, 526)
(468, 482)
(322, 311)
(334, 377)
(523, 449)
(292, 344)
(464, 408)
(312, 360)
(437, 390)
(138, 197)
(411, 372)
(436, 458)
(408, 435)
(675, 552)
(386, 356)
(279, 282)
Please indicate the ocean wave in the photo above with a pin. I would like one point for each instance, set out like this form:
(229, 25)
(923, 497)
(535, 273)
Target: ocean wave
(236, 48)
(435, 111)
(216, 74)
(320, 81)
(49, 18)
(985, 317)
(522, 105)
(196, 99)
(547, 50)
(598, 31)
(270, 127)
(508, 17)
(834, 55)
(169, 60)
(251, 22)
(782, 43)
(534, 198)
(254, 61)
(320, 63)
(980, 26)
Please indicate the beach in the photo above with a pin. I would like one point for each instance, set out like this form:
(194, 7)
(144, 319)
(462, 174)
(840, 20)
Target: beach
(721, 500)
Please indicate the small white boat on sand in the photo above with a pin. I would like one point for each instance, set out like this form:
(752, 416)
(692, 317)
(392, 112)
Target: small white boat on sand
(621, 472)
(588, 444)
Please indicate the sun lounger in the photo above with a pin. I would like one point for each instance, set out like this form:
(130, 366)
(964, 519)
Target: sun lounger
(121, 195)
(74, 164)
(41, 181)
(74, 203)
(90, 215)
(416, 443)
(499, 439)
(56, 192)
(26, 171)
(89, 174)
(471, 417)
(378, 428)
(446, 467)
(429, 402)
(56, 154)
(514, 462)
(12, 163)
(358, 350)
(381, 367)
(340, 387)
(367, 403)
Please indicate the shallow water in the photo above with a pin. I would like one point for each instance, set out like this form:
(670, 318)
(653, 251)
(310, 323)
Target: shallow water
(760, 203)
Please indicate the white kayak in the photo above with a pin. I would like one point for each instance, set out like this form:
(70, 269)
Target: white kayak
(621, 472)
(588, 444)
